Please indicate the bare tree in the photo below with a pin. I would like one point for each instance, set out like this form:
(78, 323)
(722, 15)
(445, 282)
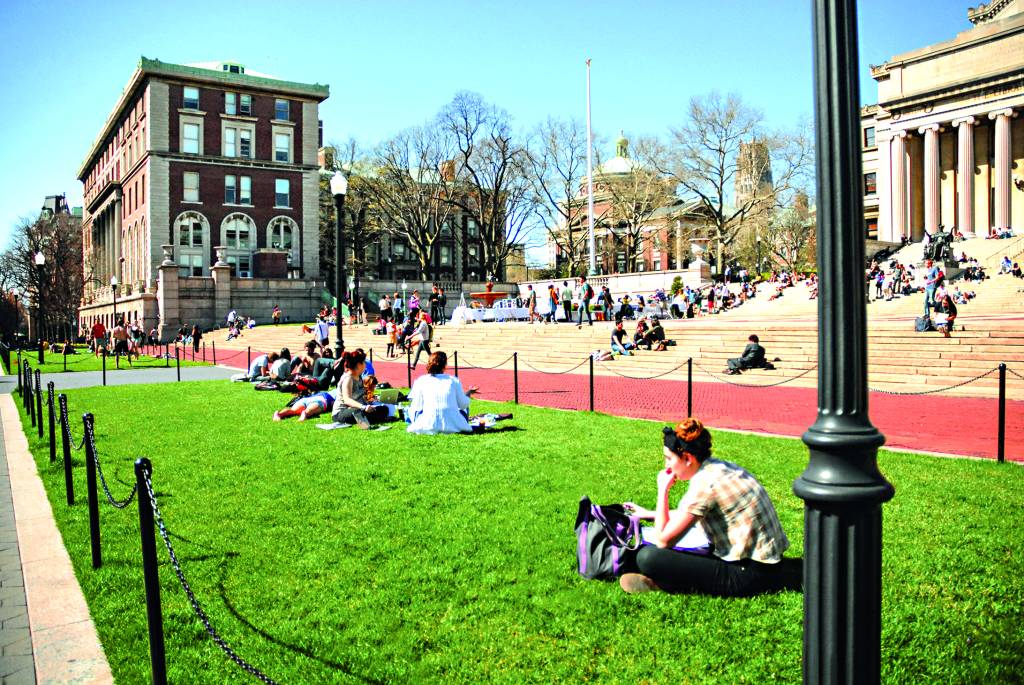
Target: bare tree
(558, 168)
(411, 188)
(789, 236)
(704, 157)
(637, 193)
(59, 279)
(492, 169)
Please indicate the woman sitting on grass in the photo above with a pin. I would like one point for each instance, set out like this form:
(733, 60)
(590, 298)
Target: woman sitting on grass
(437, 402)
(351, 405)
(736, 513)
(306, 407)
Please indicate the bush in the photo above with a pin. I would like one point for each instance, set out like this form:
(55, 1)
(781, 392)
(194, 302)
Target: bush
(677, 285)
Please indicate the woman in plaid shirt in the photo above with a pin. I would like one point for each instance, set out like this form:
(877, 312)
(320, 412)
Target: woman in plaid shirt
(736, 513)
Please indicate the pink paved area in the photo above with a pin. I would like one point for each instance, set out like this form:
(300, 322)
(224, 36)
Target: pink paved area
(965, 426)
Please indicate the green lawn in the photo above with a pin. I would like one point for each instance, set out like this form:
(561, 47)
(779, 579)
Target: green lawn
(85, 360)
(351, 556)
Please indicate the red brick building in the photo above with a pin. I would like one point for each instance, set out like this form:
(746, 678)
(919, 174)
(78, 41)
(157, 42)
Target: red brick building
(201, 195)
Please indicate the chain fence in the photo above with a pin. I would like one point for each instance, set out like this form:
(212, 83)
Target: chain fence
(464, 365)
(935, 390)
(90, 435)
(196, 607)
(555, 373)
(66, 424)
(605, 366)
(1015, 373)
(754, 385)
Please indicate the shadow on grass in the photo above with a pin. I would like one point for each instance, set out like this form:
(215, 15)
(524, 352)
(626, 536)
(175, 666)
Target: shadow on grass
(343, 668)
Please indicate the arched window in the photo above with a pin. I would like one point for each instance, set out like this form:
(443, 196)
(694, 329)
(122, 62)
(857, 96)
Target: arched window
(193, 237)
(239, 233)
(284, 235)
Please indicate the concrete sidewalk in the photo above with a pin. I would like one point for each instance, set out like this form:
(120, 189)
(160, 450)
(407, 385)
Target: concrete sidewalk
(90, 379)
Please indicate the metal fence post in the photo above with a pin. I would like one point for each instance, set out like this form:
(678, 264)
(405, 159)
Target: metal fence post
(1001, 438)
(39, 403)
(20, 370)
(213, 348)
(456, 363)
(104, 356)
(591, 382)
(248, 358)
(30, 400)
(50, 416)
(117, 360)
(371, 355)
(515, 377)
(65, 357)
(177, 362)
(65, 441)
(151, 575)
(90, 492)
(204, 351)
(689, 386)
(167, 355)
(408, 365)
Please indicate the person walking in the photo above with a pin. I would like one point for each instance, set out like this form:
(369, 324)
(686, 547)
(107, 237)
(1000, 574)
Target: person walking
(607, 303)
(399, 307)
(442, 305)
(423, 332)
(531, 303)
(585, 293)
(433, 299)
(385, 308)
(276, 315)
(932, 276)
(197, 335)
(567, 301)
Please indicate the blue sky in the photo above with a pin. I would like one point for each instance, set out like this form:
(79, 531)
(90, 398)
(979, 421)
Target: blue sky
(392, 64)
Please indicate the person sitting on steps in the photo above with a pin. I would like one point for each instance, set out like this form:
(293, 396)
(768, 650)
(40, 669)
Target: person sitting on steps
(753, 357)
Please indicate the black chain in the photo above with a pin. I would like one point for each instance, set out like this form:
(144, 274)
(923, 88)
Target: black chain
(1015, 373)
(67, 426)
(754, 385)
(642, 378)
(91, 437)
(935, 390)
(487, 368)
(556, 373)
(214, 635)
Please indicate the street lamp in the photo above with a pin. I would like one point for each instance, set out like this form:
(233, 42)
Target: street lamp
(758, 255)
(339, 187)
(40, 260)
(113, 289)
(405, 302)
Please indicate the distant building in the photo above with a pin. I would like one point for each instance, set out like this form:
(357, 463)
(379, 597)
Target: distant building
(753, 173)
(945, 143)
(201, 196)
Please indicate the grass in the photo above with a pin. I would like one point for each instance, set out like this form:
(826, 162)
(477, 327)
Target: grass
(349, 556)
(85, 360)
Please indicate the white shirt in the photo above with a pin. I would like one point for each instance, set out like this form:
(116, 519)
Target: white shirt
(436, 404)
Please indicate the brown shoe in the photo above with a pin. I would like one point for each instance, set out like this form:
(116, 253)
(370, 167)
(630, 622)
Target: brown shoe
(635, 583)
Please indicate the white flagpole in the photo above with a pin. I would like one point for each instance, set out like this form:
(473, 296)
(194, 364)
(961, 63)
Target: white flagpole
(590, 183)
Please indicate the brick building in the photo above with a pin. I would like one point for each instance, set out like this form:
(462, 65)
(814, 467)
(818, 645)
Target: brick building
(200, 196)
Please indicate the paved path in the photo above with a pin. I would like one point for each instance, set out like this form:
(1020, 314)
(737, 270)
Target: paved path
(89, 379)
(16, 665)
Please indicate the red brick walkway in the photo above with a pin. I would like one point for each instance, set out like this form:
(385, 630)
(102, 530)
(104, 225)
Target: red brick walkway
(932, 423)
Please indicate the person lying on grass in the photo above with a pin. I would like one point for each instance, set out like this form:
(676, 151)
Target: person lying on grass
(306, 407)
(437, 402)
(733, 508)
(352, 405)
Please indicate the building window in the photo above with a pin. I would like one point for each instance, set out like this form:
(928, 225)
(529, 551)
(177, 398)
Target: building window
(191, 239)
(190, 139)
(191, 184)
(282, 142)
(241, 265)
(281, 193)
(281, 110)
(446, 255)
(230, 190)
(399, 250)
(245, 143)
(472, 251)
(472, 230)
(284, 234)
(190, 98)
(239, 238)
(245, 190)
(869, 136)
(245, 104)
(230, 138)
(190, 265)
(230, 103)
(870, 184)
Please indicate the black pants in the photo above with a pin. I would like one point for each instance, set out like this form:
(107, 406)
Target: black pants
(680, 572)
(567, 309)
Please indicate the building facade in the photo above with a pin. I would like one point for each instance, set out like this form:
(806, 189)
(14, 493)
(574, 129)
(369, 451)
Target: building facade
(201, 195)
(944, 146)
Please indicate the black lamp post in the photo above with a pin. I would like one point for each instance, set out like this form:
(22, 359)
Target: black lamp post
(40, 261)
(842, 488)
(758, 256)
(113, 289)
(339, 186)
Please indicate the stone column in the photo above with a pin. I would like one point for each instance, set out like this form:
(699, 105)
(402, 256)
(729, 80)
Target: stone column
(965, 176)
(167, 296)
(117, 240)
(1003, 164)
(898, 151)
(931, 177)
(884, 186)
(221, 272)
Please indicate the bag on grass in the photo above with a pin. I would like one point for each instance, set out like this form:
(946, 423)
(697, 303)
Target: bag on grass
(607, 539)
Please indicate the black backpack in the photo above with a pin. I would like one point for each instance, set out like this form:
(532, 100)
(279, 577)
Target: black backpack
(923, 324)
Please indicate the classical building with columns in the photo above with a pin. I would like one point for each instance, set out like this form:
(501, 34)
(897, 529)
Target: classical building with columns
(201, 196)
(945, 143)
